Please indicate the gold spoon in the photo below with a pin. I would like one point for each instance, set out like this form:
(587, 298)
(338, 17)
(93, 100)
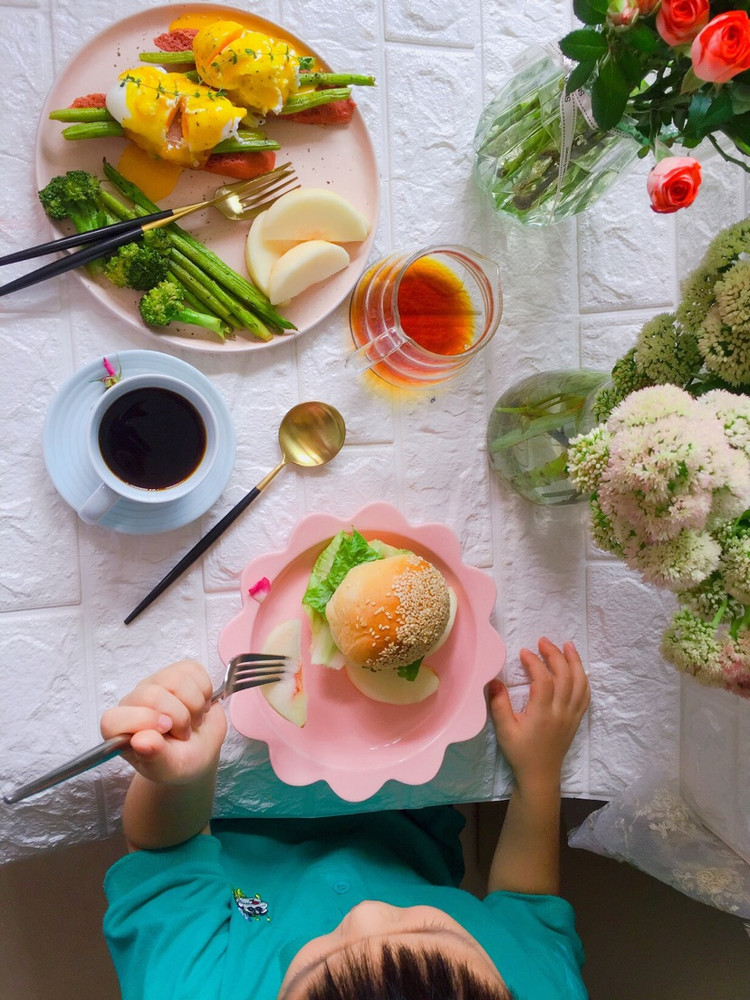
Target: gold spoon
(310, 434)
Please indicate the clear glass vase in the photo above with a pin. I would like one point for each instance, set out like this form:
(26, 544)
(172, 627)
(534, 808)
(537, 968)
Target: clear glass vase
(540, 159)
(530, 428)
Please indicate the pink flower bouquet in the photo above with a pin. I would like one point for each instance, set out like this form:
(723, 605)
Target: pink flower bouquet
(669, 73)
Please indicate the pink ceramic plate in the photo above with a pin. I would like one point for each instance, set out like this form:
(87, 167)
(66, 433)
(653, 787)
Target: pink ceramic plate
(353, 743)
(339, 158)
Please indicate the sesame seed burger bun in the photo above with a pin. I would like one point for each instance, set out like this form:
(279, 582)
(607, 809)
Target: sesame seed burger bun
(390, 612)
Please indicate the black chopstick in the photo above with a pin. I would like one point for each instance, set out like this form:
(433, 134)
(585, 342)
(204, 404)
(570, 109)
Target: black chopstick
(71, 260)
(81, 239)
(195, 553)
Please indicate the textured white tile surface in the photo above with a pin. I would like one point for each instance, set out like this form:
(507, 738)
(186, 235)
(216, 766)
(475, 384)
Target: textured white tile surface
(574, 294)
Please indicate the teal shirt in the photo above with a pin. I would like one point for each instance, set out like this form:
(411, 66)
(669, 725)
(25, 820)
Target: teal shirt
(221, 916)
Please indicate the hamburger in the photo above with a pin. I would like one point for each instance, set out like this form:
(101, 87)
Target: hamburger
(377, 609)
(388, 613)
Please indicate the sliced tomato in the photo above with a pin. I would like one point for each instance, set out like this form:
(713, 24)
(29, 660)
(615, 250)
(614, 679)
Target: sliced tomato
(243, 166)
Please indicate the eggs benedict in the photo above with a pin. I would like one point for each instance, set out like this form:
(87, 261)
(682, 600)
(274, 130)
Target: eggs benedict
(170, 116)
(254, 70)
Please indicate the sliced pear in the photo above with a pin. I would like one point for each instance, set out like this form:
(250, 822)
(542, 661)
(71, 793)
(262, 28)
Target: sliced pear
(315, 214)
(261, 255)
(302, 266)
(287, 696)
(388, 687)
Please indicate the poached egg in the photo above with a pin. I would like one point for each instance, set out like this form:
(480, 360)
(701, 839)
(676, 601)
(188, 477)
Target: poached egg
(252, 68)
(170, 116)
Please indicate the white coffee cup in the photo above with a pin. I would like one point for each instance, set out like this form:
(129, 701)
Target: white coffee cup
(152, 439)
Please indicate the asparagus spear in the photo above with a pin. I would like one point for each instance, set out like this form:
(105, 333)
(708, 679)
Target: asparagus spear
(198, 272)
(205, 258)
(186, 57)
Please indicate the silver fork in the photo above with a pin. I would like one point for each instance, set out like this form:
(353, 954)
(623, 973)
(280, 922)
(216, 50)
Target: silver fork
(244, 671)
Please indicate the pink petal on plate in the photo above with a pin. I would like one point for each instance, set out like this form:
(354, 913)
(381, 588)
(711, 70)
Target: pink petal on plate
(260, 590)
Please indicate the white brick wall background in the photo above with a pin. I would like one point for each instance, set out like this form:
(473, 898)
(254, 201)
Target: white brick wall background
(575, 294)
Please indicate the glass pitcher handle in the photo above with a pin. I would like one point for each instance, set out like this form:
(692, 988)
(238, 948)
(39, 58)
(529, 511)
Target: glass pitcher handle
(374, 351)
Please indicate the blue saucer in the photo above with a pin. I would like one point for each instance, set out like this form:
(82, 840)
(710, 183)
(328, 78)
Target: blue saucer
(67, 458)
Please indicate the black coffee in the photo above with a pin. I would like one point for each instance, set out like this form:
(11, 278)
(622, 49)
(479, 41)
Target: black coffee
(152, 438)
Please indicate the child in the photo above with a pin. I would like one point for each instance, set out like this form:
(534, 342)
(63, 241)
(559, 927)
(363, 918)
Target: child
(354, 907)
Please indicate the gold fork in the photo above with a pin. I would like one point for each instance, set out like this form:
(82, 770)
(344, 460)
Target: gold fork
(244, 671)
(242, 200)
(246, 199)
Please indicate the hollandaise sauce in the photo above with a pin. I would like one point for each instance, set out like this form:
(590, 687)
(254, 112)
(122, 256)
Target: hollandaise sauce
(156, 178)
(197, 19)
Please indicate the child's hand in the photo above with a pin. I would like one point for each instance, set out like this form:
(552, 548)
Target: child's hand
(177, 733)
(535, 740)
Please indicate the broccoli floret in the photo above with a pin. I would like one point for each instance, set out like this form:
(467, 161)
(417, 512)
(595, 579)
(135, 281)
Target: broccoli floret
(165, 304)
(158, 240)
(136, 266)
(75, 196)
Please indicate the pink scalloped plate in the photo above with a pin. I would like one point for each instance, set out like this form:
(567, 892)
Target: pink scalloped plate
(351, 742)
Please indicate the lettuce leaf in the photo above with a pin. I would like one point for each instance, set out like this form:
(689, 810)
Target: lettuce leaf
(323, 650)
(410, 670)
(343, 552)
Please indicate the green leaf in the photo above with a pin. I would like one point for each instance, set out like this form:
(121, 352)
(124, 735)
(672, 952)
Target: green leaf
(591, 11)
(690, 82)
(344, 552)
(584, 45)
(642, 38)
(410, 671)
(630, 66)
(609, 95)
(740, 95)
(579, 77)
(707, 114)
(738, 131)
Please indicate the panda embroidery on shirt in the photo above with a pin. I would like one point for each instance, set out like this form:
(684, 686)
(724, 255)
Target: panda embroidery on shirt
(251, 907)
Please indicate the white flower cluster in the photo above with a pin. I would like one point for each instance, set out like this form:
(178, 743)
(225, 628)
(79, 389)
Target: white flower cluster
(669, 478)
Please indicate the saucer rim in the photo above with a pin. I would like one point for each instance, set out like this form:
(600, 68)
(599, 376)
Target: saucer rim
(131, 516)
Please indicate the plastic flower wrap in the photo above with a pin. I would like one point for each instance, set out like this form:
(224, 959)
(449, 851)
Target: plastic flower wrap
(670, 73)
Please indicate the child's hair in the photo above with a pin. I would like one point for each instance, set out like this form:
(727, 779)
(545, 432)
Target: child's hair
(402, 974)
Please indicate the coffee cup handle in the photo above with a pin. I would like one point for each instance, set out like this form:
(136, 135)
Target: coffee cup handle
(374, 351)
(97, 505)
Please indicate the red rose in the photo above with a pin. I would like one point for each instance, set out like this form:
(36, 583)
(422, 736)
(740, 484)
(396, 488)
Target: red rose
(679, 21)
(722, 49)
(673, 183)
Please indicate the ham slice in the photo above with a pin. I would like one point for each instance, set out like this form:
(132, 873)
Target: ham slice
(90, 101)
(180, 40)
(335, 113)
(243, 166)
